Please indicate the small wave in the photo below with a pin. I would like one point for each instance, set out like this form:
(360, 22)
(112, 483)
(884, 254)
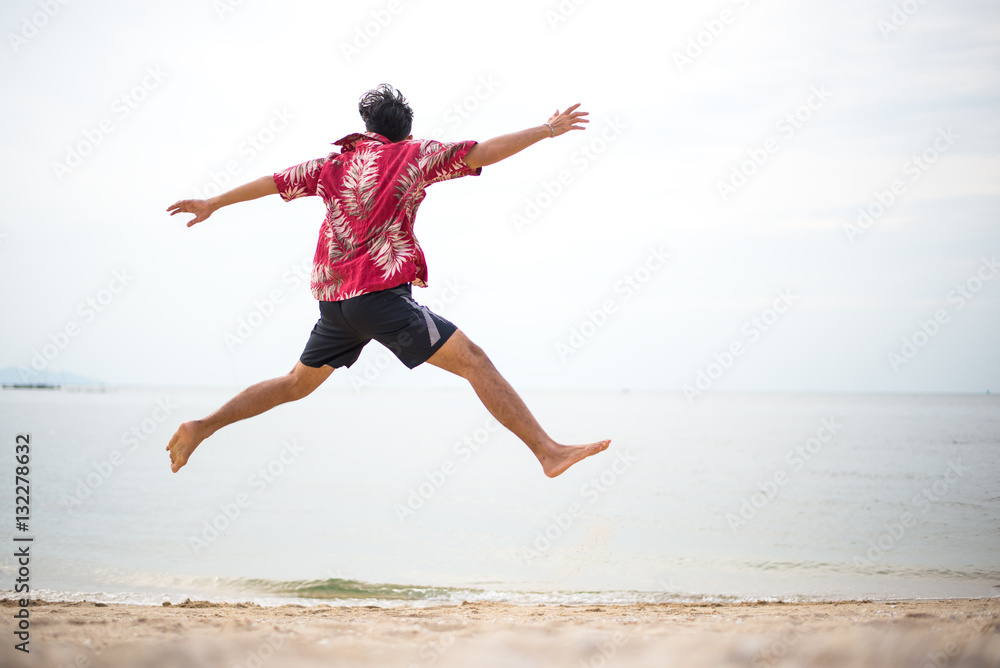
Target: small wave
(335, 588)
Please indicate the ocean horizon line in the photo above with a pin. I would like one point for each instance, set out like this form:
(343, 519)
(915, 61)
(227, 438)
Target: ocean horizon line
(331, 389)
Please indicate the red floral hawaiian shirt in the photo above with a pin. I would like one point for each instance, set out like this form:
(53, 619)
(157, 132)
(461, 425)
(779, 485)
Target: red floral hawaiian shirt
(372, 189)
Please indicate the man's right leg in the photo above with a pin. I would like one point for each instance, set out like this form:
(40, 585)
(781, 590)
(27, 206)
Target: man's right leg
(254, 400)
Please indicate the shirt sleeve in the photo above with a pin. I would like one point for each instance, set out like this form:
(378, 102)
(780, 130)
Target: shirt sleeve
(440, 161)
(300, 180)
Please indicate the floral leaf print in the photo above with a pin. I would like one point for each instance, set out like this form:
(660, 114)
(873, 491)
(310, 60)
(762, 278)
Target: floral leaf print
(302, 179)
(300, 173)
(338, 232)
(360, 183)
(409, 189)
(432, 157)
(389, 248)
(440, 165)
(325, 278)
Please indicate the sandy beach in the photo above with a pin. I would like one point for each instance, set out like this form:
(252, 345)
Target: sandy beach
(195, 634)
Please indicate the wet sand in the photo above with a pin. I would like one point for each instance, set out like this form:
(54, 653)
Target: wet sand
(910, 634)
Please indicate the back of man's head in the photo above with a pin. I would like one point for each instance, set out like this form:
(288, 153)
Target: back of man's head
(386, 112)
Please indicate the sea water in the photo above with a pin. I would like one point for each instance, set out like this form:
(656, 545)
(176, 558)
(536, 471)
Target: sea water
(392, 497)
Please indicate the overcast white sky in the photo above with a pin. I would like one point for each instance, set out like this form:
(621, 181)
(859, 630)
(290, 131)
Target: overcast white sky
(201, 76)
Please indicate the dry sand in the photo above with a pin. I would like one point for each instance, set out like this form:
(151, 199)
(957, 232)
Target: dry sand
(954, 633)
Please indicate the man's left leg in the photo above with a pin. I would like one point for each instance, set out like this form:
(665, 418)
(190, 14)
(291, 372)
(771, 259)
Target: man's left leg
(462, 357)
(254, 400)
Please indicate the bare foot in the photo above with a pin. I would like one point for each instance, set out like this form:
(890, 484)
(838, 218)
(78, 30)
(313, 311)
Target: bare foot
(561, 457)
(187, 437)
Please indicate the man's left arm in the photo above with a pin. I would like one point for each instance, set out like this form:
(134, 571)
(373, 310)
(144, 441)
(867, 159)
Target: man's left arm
(203, 208)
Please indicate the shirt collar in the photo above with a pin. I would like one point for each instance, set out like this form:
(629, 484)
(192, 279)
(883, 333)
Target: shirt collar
(348, 143)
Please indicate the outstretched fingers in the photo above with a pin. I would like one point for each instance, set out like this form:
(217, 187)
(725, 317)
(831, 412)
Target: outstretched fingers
(199, 208)
(576, 117)
(571, 119)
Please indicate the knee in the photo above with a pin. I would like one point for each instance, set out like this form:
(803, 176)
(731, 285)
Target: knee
(297, 387)
(473, 357)
(296, 391)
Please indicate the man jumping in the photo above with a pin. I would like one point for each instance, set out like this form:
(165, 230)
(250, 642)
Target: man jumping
(366, 260)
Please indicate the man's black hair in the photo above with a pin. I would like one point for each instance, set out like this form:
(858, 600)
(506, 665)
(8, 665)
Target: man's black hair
(386, 112)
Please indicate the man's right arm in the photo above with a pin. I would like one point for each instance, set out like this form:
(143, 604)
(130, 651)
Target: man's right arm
(203, 208)
(499, 148)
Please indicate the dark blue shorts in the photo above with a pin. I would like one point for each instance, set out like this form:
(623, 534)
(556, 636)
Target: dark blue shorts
(411, 331)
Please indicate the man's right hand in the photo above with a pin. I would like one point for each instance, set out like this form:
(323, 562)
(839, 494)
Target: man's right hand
(201, 208)
(500, 148)
(568, 120)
